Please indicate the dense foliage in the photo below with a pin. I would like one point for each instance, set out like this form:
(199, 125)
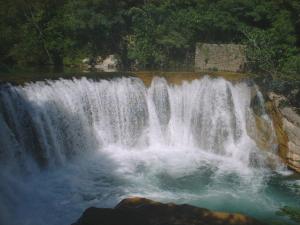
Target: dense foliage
(149, 33)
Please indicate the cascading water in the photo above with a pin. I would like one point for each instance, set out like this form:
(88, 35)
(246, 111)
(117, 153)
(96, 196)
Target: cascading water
(70, 144)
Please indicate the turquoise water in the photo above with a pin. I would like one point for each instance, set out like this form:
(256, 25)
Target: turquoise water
(72, 144)
(60, 196)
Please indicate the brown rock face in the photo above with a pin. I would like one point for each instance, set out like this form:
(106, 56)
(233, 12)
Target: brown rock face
(287, 125)
(141, 211)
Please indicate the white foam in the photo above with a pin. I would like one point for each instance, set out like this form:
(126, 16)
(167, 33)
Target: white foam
(102, 141)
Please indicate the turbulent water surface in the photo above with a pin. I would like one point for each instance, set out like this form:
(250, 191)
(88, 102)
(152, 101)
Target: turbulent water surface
(70, 144)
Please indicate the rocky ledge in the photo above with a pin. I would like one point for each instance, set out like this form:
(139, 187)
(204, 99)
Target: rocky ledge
(287, 125)
(141, 211)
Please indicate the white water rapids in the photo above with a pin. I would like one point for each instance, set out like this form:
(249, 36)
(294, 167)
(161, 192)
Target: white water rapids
(70, 144)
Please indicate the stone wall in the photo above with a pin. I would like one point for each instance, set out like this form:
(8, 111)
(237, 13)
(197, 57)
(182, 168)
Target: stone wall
(220, 57)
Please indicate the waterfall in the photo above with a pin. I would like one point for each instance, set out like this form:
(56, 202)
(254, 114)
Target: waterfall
(54, 120)
(118, 137)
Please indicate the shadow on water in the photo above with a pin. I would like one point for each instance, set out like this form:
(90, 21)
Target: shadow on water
(50, 162)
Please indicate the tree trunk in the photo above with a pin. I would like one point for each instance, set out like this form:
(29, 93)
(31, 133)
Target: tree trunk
(58, 63)
(124, 61)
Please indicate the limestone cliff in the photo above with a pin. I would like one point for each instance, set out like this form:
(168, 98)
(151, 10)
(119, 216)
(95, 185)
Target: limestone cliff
(282, 119)
(287, 126)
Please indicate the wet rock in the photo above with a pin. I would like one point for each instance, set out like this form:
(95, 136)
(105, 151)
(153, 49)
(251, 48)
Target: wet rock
(258, 124)
(256, 106)
(141, 211)
(287, 125)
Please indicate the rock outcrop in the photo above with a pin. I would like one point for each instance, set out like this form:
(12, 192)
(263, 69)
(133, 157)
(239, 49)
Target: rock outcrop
(108, 64)
(141, 211)
(259, 126)
(287, 125)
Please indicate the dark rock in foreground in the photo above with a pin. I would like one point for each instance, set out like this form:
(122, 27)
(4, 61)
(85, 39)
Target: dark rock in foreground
(141, 211)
